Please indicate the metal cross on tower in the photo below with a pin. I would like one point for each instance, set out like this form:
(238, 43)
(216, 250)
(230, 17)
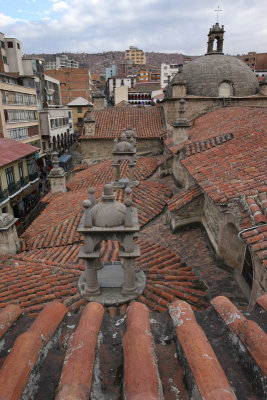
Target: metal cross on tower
(217, 11)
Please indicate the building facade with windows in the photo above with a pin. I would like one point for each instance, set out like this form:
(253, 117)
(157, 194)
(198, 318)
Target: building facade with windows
(135, 55)
(167, 72)
(62, 61)
(57, 129)
(19, 178)
(79, 107)
(18, 110)
(117, 82)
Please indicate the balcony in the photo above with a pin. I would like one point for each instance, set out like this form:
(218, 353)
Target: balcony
(3, 195)
(14, 187)
(33, 176)
(24, 180)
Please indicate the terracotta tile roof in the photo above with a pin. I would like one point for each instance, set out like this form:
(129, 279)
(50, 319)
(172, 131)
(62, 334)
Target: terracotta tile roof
(168, 278)
(189, 148)
(248, 332)
(183, 198)
(72, 351)
(237, 167)
(103, 172)
(32, 278)
(57, 224)
(12, 150)
(230, 120)
(148, 121)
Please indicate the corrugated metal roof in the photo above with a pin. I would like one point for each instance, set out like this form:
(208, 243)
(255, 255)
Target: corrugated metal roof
(11, 150)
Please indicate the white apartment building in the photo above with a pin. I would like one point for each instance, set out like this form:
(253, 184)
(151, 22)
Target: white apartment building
(62, 61)
(117, 82)
(167, 70)
(57, 128)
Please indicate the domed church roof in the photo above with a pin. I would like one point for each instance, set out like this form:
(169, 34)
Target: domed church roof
(205, 74)
(216, 75)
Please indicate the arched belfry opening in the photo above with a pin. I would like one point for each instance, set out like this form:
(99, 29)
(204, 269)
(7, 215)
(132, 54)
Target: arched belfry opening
(215, 39)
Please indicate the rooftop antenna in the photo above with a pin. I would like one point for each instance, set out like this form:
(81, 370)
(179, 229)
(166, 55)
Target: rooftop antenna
(217, 11)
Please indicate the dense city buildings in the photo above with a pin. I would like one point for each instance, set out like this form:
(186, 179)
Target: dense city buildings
(62, 61)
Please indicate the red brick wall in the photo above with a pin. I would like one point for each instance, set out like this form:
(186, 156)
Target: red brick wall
(74, 82)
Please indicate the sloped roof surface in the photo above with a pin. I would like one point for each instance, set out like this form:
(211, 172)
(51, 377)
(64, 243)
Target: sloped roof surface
(12, 150)
(148, 121)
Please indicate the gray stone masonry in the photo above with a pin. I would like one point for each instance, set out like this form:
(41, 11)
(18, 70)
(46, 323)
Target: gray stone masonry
(57, 176)
(110, 220)
(180, 126)
(124, 150)
(9, 241)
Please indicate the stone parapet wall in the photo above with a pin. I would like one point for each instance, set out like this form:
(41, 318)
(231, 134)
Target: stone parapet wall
(196, 106)
(180, 173)
(98, 149)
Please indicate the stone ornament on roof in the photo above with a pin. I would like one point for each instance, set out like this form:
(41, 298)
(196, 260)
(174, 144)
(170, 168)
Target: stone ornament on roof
(109, 219)
(9, 241)
(125, 150)
(57, 176)
(181, 126)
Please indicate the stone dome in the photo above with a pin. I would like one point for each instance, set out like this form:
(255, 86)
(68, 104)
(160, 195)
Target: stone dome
(109, 213)
(206, 74)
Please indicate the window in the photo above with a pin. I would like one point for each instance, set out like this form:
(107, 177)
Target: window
(79, 109)
(69, 114)
(31, 166)
(18, 46)
(4, 60)
(10, 176)
(10, 45)
(20, 167)
(17, 133)
(2, 44)
(52, 123)
(80, 120)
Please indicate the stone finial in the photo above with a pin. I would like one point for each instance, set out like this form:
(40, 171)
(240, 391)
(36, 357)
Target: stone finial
(128, 192)
(89, 122)
(128, 215)
(108, 194)
(9, 241)
(57, 176)
(181, 108)
(87, 214)
(181, 126)
(91, 192)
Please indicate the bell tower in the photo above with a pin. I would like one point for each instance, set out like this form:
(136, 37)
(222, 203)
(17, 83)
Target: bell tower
(215, 34)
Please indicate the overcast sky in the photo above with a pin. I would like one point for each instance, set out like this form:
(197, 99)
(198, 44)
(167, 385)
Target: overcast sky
(91, 26)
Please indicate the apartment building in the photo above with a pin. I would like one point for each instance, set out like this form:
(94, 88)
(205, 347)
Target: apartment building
(74, 82)
(57, 129)
(167, 72)
(135, 55)
(117, 82)
(18, 110)
(19, 179)
(61, 61)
